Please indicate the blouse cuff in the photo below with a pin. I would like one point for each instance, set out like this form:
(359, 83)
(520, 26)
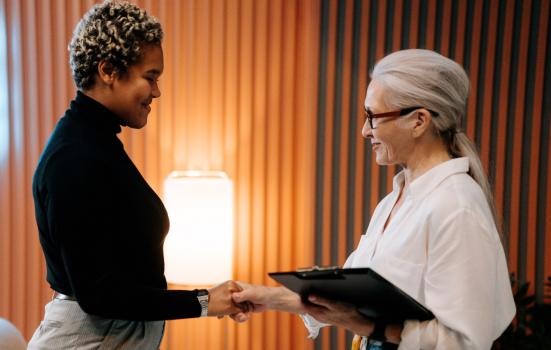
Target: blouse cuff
(312, 325)
(410, 336)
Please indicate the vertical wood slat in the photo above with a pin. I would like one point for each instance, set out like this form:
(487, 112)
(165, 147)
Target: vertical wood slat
(5, 140)
(446, 23)
(272, 248)
(431, 24)
(230, 85)
(345, 81)
(343, 89)
(360, 88)
(32, 270)
(17, 170)
(502, 111)
(487, 88)
(306, 84)
(538, 271)
(530, 148)
(379, 45)
(545, 220)
(520, 117)
(473, 69)
(414, 26)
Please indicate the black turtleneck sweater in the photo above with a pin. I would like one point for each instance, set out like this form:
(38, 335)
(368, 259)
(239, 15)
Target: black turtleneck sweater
(101, 226)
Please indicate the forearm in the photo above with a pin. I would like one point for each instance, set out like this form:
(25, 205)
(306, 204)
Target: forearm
(282, 299)
(140, 303)
(359, 324)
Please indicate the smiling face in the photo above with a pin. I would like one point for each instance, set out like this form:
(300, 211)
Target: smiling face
(132, 92)
(391, 140)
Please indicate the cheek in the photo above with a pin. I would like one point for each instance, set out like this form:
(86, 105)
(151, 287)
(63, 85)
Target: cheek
(391, 144)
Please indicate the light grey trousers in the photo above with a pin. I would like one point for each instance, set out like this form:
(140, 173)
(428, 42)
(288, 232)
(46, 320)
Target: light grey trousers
(66, 326)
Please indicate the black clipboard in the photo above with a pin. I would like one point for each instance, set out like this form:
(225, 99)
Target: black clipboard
(372, 294)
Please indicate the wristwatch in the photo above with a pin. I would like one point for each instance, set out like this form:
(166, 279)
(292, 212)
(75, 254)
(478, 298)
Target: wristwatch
(203, 298)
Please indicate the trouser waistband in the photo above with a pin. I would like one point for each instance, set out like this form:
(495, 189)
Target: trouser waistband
(61, 296)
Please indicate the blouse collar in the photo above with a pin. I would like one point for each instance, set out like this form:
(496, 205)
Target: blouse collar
(425, 183)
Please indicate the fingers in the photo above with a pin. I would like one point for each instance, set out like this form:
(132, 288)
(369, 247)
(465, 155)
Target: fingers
(393, 333)
(314, 299)
(239, 297)
(233, 286)
(220, 300)
(240, 317)
(235, 298)
(253, 294)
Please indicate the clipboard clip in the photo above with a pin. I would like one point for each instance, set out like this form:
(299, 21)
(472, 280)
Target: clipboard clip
(315, 272)
(317, 268)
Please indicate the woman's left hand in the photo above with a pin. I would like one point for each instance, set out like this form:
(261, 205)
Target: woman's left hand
(339, 314)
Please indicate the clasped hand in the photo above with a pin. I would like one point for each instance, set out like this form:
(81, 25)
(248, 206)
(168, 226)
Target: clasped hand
(331, 312)
(221, 302)
(327, 311)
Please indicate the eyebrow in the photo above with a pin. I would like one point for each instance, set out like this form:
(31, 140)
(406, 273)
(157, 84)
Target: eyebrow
(153, 71)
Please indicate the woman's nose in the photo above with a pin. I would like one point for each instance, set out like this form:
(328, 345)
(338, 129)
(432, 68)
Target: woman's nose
(367, 132)
(156, 91)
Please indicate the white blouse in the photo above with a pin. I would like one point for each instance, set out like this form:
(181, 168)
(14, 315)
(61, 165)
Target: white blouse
(442, 248)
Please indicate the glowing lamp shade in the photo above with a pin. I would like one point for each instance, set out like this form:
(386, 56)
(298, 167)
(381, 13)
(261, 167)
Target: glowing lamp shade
(199, 246)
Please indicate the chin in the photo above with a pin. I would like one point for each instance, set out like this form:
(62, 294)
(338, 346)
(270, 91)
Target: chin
(137, 125)
(138, 122)
(384, 161)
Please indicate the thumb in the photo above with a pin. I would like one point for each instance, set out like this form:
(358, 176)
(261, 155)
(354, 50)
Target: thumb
(316, 299)
(238, 297)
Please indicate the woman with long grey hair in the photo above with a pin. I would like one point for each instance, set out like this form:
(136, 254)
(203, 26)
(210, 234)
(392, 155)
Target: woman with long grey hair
(435, 236)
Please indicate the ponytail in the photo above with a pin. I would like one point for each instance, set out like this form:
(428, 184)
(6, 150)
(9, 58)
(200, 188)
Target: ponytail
(462, 146)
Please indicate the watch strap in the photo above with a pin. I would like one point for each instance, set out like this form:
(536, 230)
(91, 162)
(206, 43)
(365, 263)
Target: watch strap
(203, 298)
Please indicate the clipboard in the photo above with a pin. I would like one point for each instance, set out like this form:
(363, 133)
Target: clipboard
(373, 295)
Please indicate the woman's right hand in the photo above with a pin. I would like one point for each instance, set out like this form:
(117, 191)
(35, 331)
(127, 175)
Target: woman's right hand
(220, 300)
(261, 298)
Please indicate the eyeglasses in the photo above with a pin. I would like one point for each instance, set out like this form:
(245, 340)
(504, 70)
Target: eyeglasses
(399, 113)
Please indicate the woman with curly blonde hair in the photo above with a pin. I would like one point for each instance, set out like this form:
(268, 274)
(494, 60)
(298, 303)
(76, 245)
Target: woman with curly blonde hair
(100, 225)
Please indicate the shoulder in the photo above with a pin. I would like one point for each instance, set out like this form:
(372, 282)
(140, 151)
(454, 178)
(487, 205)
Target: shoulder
(71, 161)
(459, 202)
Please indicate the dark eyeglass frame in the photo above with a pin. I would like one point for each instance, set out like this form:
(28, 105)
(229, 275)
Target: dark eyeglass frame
(399, 113)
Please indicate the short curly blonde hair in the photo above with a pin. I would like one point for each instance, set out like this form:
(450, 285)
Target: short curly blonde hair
(114, 31)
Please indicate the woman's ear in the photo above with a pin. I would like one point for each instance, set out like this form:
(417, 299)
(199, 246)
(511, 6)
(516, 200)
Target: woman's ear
(422, 119)
(106, 72)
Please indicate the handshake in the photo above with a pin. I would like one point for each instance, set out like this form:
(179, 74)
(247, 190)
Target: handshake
(239, 300)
